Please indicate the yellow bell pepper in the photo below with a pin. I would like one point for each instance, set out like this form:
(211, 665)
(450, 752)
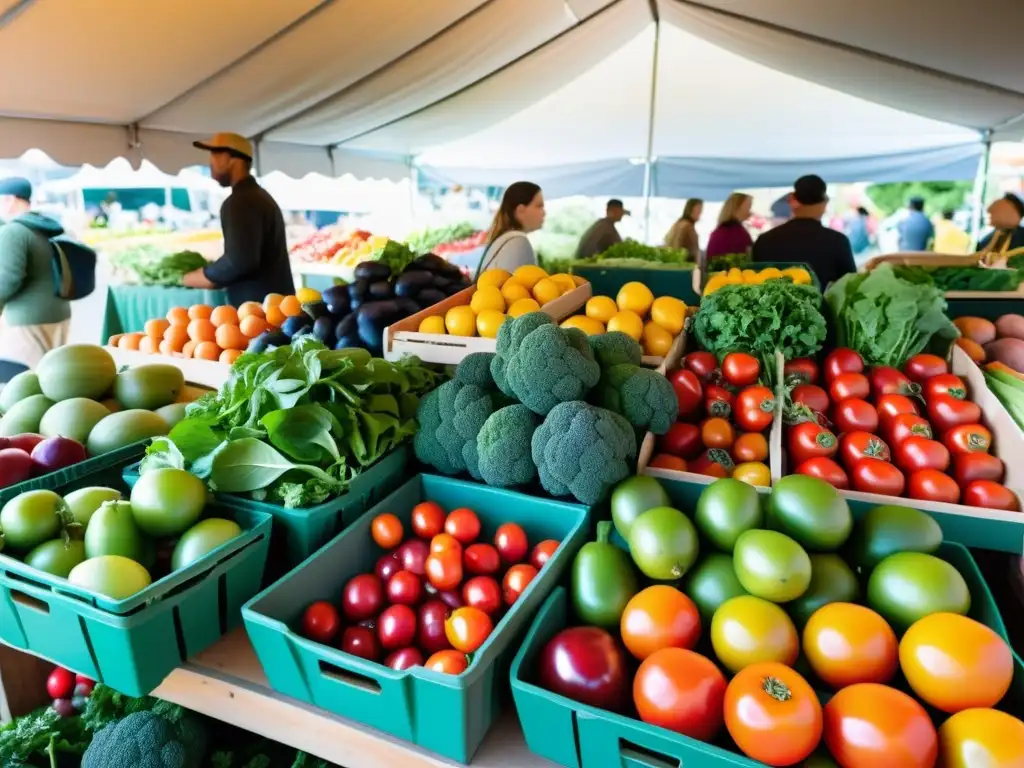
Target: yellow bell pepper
(799, 275)
(716, 282)
(770, 273)
(749, 276)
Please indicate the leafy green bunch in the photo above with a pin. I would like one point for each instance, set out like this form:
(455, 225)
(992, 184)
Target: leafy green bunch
(961, 278)
(426, 240)
(397, 256)
(154, 267)
(631, 249)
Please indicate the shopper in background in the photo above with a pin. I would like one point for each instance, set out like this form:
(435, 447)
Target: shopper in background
(730, 236)
(916, 231)
(521, 212)
(33, 319)
(804, 239)
(602, 234)
(683, 233)
(1005, 214)
(949, 238)
(857, 231)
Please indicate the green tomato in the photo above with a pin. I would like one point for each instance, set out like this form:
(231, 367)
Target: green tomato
(167, 502)
(634, 496)
(84, 502)
(772, 566)
(31, 518)
(889, 529)
(810, 511)
(663, 543)
(603, 581)
(56, 557)
(711, 583)
(112, 531)
(726, 509)
(908, 586)
(114, 576)
(201, 539)
(832, 581)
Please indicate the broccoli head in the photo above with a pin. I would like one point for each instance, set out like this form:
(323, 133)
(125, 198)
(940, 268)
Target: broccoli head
(583, 451)
(510, 337)
(504, 447)
(553, 365)
(147, 740)
(475, 369)
(615, 348)
(643, 396)
(450, 418)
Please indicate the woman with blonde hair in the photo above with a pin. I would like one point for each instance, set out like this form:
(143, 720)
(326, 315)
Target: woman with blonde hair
(730, 236)
(521, 212)
(683, 233)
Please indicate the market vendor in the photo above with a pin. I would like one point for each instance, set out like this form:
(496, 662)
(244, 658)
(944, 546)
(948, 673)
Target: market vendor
(255, 260)
(1005, 214)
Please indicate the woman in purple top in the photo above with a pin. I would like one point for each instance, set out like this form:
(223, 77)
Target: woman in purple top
(730, 236)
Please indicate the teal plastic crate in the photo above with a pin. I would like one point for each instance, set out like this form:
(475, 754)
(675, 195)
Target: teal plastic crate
(298, 533)
(446, 714)
(132, 644)
(606, 281)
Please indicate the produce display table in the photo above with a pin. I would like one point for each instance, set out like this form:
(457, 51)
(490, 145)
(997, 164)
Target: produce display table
(319, 277)
(128, 307)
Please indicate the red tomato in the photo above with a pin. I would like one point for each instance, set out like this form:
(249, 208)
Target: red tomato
(484, 593)
(427, 520)
(689, 393)
(717, 433)
(467, 629)
(945, 384)
(841, 361)
(755, 409)
(61, 682)
(802, 368)
(430, 619)
(868, 725)
(714, 462)
(825, 469)
(946, 412)
(718, 401)
(543, 552)
(812, 396)
(932, 485)
(701, 363)
(449, 662)
(516, 580)
(968, 467)
(404, 588)
(444, 569)
(386, 530)
(908, 425)
(854, 446)
(855, 415)
(667, 461)
(877, 476)
(916, 453)
(444, 542)
(362, 597)
(404, 658)
(808, 440)
(920, 368)
(891, 406)
(968, 438)
(463, 524)
(511, 543)
(847, 385)
(741, 369)
(680, 690)
(890, 381)
(682, 440)
(990, 495)
(361, 642)
(396, 627)
(481, 559)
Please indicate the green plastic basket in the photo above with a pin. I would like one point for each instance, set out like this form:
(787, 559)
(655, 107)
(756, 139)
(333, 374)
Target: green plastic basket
(132, 644)
(446, 714)
(606, 281)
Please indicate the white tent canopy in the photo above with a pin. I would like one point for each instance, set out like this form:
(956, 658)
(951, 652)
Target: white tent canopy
(579, 94)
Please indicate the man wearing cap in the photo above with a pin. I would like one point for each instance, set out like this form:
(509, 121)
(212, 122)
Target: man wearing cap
(33, 319)
(602, 234)
(255, 260)
(1005, 214)
(804, 239)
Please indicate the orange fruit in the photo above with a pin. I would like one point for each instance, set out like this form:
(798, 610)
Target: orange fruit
(275, 317)
(206, 350)
(201, 330)
(164, 347)
(178, 316)
(252, 325)
(156, 327)
(272, 300)
(290, 306)
(224, 315)
(189, 349)
(251, 308)
(200, 312)
(112, 341)
(229, 356)
(230, 337)
(176, 336)
(148, 345)
(129, 341)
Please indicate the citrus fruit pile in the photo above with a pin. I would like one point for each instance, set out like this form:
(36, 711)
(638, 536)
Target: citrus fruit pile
(737, 276)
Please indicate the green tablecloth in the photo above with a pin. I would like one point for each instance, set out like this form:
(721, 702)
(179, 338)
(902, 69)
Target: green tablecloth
(128, 307)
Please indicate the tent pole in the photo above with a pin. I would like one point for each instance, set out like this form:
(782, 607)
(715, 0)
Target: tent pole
(981, 188)
(649, 157)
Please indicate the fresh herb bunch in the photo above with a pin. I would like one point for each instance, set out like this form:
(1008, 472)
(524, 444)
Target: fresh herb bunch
(728, 261)
(397, 256)
(631, 249)
(961, 278)
(428, 239)
(760, 319)
(151, 266)
(633, 264)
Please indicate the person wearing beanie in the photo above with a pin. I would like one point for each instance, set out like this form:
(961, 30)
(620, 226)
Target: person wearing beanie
(33, 320)
(1005, 214)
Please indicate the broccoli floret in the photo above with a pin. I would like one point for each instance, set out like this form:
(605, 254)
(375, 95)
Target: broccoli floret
(450, 418)
(643, 396)
(147, 740)
(553, 365)
(615, 348)
(475, 369)
(583, 451)
(510, 337)
(504, 447)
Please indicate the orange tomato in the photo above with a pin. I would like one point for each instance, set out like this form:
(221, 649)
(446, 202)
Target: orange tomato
(200, 312)
(201, 330)
(667, 461)
(224, 315)
(847, 644)
(178, 316)
(189, 348)
(149, 345)
(112, 341)
(252, 325)
(717, 433)
(659, 617)
(981, 737)
(682, 691)
(468, 628)
(164, 348)
(156, 327)
(230, 337)
(290, 306)
(275, 317)
(177, 335)
(427, 519)
(228, 356)
(206, 350)
(751, 446)
(874, 726)
(386, 530)
(129, 341)
(250, 309)
(517, 579)
(772, 714)
(955, 663)
(449, 662)
(444, 569)
(444, 542)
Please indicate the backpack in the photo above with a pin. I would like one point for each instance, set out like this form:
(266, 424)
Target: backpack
(74, 269)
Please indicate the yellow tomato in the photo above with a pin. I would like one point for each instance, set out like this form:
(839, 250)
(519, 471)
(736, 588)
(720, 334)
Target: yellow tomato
(523, 307)
(635, 297)
(627, 322)
(487, 297)
(601, 308)
(656, 340)
(670, 313)
(799, 275)
(529, 275)
(461, 321)
(753, 473)
(734, 276)
(770, 273)
(433, 324)
(493, 277)
(307, 295)
(749, 275)
(488, 322)
(746, 630)
(981, 738)
(512, 291)
(588, 325)
(564, 281)
(716, 282)
(546, 290)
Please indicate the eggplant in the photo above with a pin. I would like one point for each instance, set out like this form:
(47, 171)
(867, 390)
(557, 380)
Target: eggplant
(407, 306)
(346, 326)
(381, 313)
(323, 329)
(316, 309)
(429, 262)
(293, 326)
(409, 284)
(428, 297)
(381, 289)
(371, 271)
(350, 341)
(442, 281)
(335, 296)
(360, 289)
(278, 339)
(260, 343)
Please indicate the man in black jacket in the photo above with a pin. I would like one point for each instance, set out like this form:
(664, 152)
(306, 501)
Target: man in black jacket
(255, 260)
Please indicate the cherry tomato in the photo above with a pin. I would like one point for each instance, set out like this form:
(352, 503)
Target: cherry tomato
(846, 644)
(680, 690)
(922, 367)
(755, 409)
(430, 619)
(981, 737)
(481, 559)
(387, 566)
(848, 385)
(701, 363)
(753, 473)
(946, 412)
(61, 682)
(667, 461)
(413, 556)
(968, 467)
(543, 552)
(362, 597)
(320, 622)
(908, 425)
(854, 446)
(824, 469)
(945, 384)
(773, 714)
(932, 485)
(869, 725)
(445, 542)
(714, 462)
(463, 524)
(718, 401)
(990, 495)
(812, 396)
(404, 588)
(855, 415)
(404, 658)
(841, 361)
(516, 580)
(468, 628)
(689, 393)
(511, 543)
(752, 446)
(890, 381)
(717, 433)
(386, 530)
(396, 627)
(444, 569)
(682, 440)
(968, 438)
(809, 440)
(484, 593)
(427, 520)
(877, 476)
(891, 406)
(741, 369)
(916, 453)
(449, 662)
(803, 368)
(659, 617)
(361, 642)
